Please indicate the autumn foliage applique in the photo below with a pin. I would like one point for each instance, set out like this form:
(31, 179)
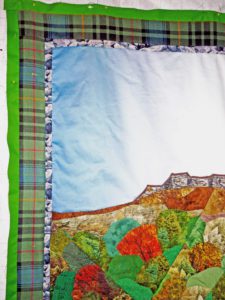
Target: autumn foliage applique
(164, 245)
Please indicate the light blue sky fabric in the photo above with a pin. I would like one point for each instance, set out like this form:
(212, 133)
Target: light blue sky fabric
(123, 119)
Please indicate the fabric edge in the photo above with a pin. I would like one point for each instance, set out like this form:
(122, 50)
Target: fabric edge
(129, 13)
(13, 144)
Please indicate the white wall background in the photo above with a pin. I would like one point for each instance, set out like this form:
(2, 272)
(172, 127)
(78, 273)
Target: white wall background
(4, 156)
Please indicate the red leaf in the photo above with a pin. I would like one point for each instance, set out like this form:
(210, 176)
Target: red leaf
(141, 241)
(90, 278)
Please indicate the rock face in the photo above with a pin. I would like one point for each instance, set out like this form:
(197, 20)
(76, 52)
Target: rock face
(196, 199)
(99, 223)
(216, 205)
(180, 227)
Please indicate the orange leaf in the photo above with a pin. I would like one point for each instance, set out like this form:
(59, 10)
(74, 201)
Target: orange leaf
(141, 241)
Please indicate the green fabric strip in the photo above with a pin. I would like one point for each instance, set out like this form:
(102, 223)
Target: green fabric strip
(13, 143)
(130, 13)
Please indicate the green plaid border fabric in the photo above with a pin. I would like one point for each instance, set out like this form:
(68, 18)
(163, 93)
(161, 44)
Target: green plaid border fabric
(35, 30)
(123, 30)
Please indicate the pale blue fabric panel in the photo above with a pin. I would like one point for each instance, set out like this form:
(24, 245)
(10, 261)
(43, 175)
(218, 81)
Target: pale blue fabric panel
(123, 119)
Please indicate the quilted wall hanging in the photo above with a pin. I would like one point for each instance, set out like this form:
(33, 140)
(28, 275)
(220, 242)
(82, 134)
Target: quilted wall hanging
(116, 136)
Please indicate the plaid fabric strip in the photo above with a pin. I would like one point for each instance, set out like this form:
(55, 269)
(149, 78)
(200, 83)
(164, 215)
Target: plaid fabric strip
(35, 29)
(123, 30)
(32, 171)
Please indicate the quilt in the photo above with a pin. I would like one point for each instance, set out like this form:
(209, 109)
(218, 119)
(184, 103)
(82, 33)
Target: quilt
(116, 137)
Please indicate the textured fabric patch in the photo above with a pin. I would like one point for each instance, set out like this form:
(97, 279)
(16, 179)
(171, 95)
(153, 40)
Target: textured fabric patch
(166, 244)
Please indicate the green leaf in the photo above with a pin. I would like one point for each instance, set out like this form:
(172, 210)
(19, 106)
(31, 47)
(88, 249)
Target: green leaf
(196, 235)
(223, 263)
(207, 278)
(64, 286)
(153, 272)
(172, 253)
(191, 225)
(135, 290)
(88, 243)
(219, 288)
(163, 237)
(116, 232)
(75, 257)
(93, 246)
(172, 227)
(209, 296)
(126, 266)
(167, 277)
(59, 240)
